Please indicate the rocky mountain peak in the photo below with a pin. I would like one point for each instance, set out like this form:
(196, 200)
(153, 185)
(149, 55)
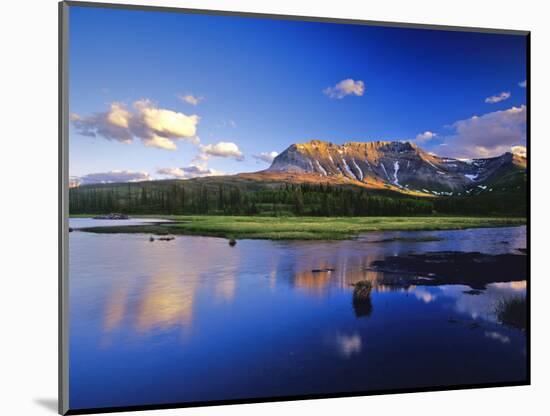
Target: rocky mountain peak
(399, 164)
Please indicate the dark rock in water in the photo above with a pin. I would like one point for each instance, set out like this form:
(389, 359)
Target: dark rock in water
(169, 238)
(232, 242)
(472, 292)
(70, 230)
(450, 267)
(112, 216)
(362, 304)
(324, 270)
(362, 307)
(362, 289)
(151, 239)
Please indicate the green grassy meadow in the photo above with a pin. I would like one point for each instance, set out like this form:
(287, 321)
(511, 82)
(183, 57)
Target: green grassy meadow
(303, 228)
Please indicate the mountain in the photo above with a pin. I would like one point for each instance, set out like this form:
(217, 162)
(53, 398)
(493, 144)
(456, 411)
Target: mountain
(398, 166)
(324, 179)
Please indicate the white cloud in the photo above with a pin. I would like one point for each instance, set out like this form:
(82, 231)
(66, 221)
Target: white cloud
(156, 127)
(160, 142)
(425, 137)
(523, 84)
(488, 135)
(112, 176)
(111, 124)
(166, 123)
(201, 159)
(266, 156)
(188, 172)
(519, 150)
(344, 88)
(118, 115)
(222, 149)
(191, 99)
(493, 99)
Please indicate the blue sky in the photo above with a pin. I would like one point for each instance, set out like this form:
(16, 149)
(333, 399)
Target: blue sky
(258, 85)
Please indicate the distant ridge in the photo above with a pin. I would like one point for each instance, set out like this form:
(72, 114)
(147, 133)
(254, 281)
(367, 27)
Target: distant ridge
(394, 168)
(401, 165)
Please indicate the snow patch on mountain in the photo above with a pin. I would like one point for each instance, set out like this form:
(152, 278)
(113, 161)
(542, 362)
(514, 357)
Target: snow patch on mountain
(348, 170)
(323, 171)
(359, 170)
(395, 170)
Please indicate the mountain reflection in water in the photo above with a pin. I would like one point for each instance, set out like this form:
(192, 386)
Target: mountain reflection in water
(193, 319)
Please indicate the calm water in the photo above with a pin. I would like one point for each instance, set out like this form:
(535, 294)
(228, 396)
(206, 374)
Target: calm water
(194, 319)
(77, 223)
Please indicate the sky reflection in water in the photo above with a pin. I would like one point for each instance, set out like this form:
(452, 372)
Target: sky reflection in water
(194, 319)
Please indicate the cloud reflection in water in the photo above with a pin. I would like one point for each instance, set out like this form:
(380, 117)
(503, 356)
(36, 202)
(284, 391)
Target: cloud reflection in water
(348, 345)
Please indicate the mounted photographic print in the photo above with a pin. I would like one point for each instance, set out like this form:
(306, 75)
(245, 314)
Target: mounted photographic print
(261, 208)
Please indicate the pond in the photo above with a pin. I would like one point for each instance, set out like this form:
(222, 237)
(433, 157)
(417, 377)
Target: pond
(194, 319)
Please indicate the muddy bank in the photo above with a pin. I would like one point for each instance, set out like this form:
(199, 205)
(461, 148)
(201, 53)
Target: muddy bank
(449, 267)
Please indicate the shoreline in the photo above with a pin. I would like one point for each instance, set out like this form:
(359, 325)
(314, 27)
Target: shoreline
(297, 228)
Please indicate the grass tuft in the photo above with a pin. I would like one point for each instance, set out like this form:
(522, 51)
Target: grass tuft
(512, 312)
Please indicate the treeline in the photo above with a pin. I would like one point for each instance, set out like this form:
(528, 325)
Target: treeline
(510, 204)
(177, 198)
